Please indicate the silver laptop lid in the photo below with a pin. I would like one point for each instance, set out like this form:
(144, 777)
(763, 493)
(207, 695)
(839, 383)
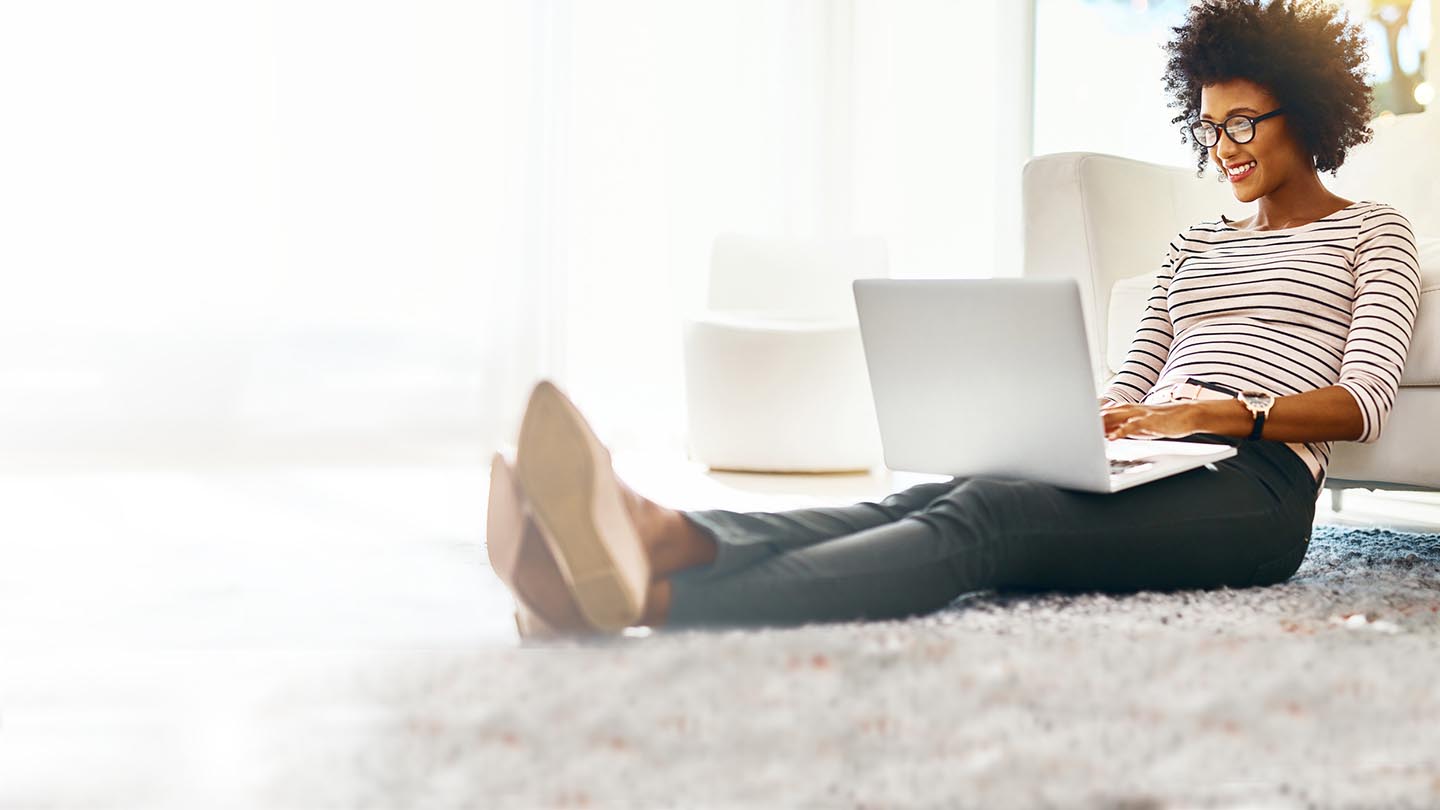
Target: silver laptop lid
(983, 377)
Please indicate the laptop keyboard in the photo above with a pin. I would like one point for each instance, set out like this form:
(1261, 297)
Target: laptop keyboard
(1122, 465)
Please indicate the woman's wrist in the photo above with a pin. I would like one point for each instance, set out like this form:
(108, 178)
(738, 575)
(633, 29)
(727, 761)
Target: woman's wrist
(1223, 417)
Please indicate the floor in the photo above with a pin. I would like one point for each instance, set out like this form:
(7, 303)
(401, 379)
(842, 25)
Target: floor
(345, 555)
(144, 608)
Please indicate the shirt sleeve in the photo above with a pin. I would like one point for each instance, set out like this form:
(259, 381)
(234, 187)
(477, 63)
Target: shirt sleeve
(1141, 367)
(1387, 299)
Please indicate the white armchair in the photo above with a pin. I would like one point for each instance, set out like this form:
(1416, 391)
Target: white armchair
(775, 371)
(1105, 221)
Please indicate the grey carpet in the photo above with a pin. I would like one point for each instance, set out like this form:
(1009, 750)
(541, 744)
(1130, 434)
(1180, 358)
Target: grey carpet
(1323, 691)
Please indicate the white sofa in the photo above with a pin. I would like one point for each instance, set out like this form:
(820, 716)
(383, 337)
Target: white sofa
(775, 374)
(1107, 221)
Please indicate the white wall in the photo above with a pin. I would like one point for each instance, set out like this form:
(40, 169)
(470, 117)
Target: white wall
(942, 133)
(223, 220)
(231, 224)
(685, 120)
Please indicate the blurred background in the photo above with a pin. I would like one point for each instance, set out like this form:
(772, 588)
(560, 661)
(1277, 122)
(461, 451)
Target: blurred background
(279, 276)
(334, 230)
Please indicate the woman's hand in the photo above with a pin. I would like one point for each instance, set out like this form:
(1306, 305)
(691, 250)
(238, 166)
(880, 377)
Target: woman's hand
(1171, 420)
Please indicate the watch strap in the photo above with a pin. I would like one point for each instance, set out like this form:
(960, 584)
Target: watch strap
(1257, 414)
(1259, 425)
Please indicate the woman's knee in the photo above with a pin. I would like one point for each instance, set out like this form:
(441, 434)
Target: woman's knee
(973, 499)
(1005, 506)
(984, 517)
(915, 498)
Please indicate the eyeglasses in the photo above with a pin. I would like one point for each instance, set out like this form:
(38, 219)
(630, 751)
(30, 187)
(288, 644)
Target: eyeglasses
(1240, 128)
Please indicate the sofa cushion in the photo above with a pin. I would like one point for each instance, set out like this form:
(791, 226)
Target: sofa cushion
(1422, 365)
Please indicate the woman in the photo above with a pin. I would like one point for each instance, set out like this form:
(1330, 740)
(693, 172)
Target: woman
(1311, 300)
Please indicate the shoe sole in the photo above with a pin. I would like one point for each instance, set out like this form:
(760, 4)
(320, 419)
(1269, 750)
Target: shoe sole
(505, 537)
(566, 475)
(531, 626)
(504, 521)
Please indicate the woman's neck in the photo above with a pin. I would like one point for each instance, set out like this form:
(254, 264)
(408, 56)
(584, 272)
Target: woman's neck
(1301, 200)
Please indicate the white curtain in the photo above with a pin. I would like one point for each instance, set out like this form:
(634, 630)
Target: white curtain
(365, 228)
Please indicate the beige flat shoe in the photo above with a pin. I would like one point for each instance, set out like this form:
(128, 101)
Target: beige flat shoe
(519, 555)
(530, 626)
(566, 475)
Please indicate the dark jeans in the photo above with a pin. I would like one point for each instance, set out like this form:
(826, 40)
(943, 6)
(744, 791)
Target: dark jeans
(1245, 522)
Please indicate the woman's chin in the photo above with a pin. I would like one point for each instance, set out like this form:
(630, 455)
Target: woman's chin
(1248, 190)
(1247, 195)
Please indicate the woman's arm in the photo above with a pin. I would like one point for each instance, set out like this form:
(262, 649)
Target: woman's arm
(1323, 415)
(1150, 347)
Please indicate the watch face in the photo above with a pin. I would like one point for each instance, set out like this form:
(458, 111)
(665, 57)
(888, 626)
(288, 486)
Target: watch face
(1256, 399)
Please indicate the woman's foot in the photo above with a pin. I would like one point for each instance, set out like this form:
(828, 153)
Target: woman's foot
(582, 512)
(544, 607)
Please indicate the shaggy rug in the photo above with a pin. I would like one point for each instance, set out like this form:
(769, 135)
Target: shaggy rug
(1323, 691)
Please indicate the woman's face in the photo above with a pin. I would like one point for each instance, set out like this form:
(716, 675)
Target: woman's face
(1275, 151)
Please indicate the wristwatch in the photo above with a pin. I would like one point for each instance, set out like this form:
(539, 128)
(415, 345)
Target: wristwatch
(1259, 404)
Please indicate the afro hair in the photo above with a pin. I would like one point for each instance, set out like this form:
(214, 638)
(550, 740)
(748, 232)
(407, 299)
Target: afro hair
(1305, 53)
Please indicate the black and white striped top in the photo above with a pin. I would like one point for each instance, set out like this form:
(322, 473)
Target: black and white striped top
(1331, 302)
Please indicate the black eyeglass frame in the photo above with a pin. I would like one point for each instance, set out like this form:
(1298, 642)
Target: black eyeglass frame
(1225, 127)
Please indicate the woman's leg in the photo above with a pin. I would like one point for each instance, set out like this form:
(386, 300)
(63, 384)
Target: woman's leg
(745, 538)
(1245, 522)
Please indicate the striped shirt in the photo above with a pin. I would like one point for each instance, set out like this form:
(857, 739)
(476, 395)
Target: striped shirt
(1331, 302)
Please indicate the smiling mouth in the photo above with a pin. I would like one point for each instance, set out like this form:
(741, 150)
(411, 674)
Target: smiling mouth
(1240, 172)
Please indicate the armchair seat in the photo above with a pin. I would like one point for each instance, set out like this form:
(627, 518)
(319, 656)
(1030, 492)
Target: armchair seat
(778, 394)
(775, 374)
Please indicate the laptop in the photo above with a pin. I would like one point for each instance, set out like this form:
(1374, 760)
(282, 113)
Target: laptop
(993, 377)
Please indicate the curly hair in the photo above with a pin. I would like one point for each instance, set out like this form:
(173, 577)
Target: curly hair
(1304, 53)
